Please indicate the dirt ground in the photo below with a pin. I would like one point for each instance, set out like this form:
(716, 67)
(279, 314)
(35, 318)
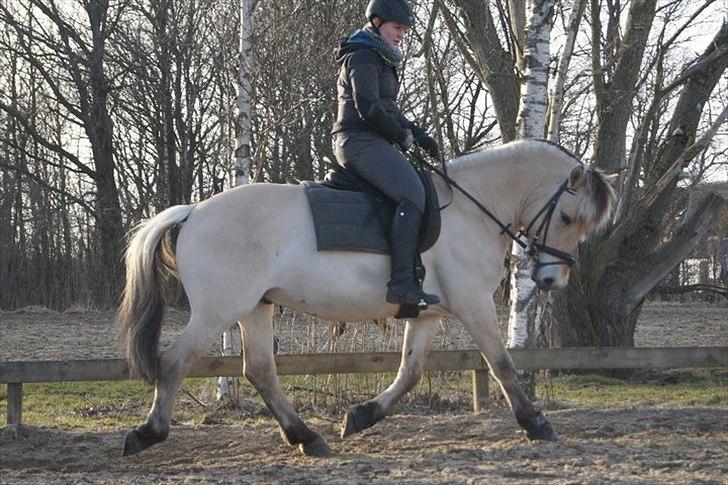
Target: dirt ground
(624, 445)
(646, 445)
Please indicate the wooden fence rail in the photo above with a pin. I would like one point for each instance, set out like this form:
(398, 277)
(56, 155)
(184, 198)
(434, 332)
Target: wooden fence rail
(17, 373)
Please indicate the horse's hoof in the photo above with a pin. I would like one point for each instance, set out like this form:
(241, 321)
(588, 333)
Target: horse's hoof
(316, 447)
(140, 439)
(541, 430)
(360, 417)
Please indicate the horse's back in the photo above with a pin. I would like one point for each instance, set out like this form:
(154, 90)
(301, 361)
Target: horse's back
(242, 232)
(256, 201)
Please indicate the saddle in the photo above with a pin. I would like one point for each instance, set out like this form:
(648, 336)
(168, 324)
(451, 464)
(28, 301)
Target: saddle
(349, 214)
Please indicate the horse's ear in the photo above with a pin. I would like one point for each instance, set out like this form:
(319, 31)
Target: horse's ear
(577, 178)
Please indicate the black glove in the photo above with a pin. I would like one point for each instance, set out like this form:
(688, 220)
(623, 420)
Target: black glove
(429, 144)
(408, 141)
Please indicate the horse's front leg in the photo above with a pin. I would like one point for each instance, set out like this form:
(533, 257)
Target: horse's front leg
(482, 323)
(418, 336)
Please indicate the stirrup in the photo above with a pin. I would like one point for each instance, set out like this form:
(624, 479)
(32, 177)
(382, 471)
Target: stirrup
(411, 295)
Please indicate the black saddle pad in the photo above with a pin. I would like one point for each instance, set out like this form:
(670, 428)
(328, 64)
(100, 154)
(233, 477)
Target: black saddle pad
(356, 217)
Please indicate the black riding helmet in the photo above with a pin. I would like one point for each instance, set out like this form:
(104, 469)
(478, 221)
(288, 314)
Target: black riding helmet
(391, 11)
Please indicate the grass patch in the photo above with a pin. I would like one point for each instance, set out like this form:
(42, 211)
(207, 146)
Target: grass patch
(88, 405)
(597, 391)
(124, 404)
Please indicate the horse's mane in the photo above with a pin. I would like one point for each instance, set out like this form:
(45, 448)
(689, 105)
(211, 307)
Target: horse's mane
(596, 196)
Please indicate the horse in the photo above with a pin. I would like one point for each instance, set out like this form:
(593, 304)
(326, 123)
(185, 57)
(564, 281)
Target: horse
(247, 249)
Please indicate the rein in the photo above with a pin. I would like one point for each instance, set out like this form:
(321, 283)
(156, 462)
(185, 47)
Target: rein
(534, 246)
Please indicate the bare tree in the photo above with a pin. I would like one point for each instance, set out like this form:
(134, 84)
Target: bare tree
(556, 95)
(478, 40)
(78, 51)
(619, 268)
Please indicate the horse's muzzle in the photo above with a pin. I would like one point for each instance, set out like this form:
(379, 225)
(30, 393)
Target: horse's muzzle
(545, 284)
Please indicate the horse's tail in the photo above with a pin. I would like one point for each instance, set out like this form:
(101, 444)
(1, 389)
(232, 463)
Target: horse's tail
(142, 306)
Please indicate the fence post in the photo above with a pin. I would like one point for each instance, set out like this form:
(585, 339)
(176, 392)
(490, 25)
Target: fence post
(480, 389)
(15, 403)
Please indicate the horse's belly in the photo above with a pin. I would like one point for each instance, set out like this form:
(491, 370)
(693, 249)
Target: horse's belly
(335, 309)
(335, 286)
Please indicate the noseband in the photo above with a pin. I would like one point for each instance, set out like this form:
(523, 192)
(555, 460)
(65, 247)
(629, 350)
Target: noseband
(535, 245)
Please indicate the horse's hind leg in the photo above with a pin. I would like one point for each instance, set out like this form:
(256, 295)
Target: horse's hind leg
(174, 364)
(260, 369)
(417, 342)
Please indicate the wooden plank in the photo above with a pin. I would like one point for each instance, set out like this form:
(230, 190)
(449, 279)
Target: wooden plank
(15, 403)
(64, 371)
(341, 363)
(304, 364)
(568, 358)
(480, 389)
(620, 358)
(452, 360)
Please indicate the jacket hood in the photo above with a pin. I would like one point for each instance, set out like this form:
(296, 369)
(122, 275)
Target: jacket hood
(345, 47)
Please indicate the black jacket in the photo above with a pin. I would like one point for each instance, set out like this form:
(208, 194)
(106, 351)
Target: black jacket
(367, 93)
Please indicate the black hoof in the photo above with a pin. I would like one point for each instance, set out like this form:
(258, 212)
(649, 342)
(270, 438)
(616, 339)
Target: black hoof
(316, 447)
(540, 429)
(140, 439)
(360, 417)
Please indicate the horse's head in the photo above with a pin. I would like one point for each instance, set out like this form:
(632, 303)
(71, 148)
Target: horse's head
(581, 204)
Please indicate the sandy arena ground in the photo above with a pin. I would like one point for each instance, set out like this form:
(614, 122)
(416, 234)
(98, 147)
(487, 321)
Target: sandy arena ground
(652, 445)
(624, 445)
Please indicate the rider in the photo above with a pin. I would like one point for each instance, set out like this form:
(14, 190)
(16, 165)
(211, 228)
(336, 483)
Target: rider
(369, 124)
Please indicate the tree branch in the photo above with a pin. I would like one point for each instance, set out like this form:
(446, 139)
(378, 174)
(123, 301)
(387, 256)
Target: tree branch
(493, 62)
(43, 183)
(557, 93)
(688, 154)
(659, 263)
(671, 290)
(460, 39)
(43, 141)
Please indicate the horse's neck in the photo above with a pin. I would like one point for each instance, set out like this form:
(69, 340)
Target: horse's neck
(506, 182)
(491, 183)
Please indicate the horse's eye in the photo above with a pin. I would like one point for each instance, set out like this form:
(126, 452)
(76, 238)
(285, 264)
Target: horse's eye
(565, 219)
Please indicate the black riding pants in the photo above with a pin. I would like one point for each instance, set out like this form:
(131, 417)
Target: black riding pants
(373, 158)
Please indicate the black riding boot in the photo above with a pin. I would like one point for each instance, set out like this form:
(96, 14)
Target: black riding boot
(404, 287)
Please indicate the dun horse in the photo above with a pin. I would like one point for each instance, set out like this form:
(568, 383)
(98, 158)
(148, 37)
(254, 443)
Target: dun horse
(246, 249)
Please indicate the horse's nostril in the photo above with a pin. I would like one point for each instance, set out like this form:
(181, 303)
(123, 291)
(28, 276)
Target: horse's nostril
(548, 282)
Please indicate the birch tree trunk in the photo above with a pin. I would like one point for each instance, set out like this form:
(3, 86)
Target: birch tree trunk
(534, 87)
(242, 123)
(525, 312)
(232, 339)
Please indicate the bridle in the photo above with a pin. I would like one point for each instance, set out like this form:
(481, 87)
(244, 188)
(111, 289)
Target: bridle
(535, 244)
